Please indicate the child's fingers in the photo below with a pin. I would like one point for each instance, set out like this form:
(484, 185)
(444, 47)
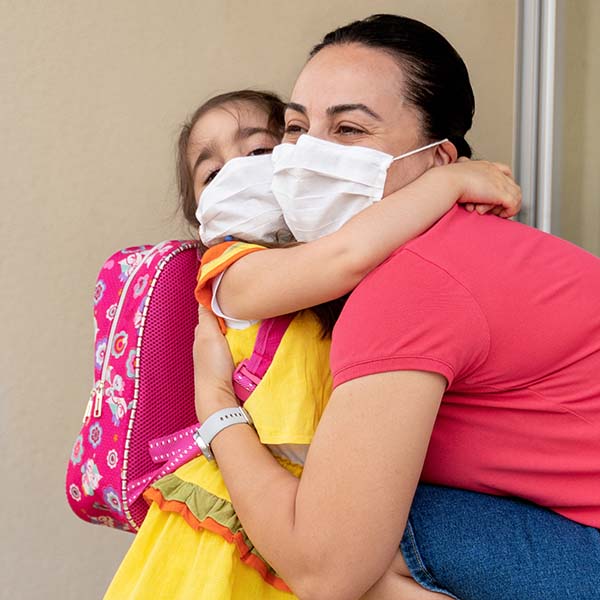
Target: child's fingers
(504, 168)
(208, 326)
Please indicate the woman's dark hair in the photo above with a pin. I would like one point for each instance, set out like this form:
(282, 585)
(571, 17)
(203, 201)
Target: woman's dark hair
(272, 105)
(437, 80)
(328, 312)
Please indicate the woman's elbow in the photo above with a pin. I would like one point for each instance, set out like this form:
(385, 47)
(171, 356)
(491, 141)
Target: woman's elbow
(321, 586)
(321, 591)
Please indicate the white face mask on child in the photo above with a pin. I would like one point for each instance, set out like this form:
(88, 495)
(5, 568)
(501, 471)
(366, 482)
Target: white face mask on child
(239, 202)
(320, 185)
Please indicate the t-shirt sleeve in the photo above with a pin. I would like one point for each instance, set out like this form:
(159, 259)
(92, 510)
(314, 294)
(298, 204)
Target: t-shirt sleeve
(215, 261)
(230, 322)
(409, 314)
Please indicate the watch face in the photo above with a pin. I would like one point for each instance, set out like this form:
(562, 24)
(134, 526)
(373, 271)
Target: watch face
(248, 417)
(204, 447)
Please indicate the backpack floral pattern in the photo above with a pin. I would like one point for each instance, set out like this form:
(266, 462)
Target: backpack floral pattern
(96, 450)
(95, 476)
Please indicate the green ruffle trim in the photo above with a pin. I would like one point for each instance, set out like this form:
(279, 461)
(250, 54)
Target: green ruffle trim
(204, 505)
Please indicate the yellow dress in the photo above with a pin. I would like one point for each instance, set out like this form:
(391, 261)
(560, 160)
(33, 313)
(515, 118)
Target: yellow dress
(191, 544)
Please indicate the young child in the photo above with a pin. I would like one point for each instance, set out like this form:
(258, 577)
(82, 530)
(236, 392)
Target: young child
(192, 545)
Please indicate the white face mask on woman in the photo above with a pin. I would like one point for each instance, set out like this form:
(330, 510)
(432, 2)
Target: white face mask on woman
(239, 203)
(320, 185)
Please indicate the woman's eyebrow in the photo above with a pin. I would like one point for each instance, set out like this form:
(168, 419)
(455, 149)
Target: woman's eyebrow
(341, 108)
(295, 106)
(336, 109)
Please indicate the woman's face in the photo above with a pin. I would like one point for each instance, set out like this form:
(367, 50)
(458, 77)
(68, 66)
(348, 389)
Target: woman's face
(351, 94)
(223, 133)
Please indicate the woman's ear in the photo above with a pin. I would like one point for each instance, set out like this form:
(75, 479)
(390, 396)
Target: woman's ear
(445, 154)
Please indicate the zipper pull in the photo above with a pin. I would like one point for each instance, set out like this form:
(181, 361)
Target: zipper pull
(98, 402)
(88, 408)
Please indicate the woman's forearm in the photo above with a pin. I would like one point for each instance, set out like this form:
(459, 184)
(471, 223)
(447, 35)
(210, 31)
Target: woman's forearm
(309, 529)
(263, 494)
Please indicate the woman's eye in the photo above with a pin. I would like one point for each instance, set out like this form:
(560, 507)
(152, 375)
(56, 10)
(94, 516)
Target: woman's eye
(211, 176)
(348, 130)
(294, 129)
(260, 151)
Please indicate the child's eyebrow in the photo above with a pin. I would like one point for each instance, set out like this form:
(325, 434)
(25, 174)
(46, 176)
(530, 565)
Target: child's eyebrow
(206, 153)
(246, 132)
(242, 134)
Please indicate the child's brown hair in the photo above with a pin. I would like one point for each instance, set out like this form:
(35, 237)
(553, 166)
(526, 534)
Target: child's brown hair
(272, 105)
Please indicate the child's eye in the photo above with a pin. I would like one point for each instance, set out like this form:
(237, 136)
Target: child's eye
(211, 176)
(260, 151)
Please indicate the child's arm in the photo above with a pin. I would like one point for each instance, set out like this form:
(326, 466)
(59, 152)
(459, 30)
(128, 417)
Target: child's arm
(283, 280)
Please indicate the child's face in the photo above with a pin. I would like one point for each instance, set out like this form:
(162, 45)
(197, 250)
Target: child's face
(223, 133)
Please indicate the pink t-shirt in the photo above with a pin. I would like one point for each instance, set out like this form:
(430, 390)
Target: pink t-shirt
(510, 316)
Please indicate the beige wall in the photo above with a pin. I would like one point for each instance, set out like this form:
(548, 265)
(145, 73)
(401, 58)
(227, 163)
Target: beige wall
(92, 95)
(579, 151)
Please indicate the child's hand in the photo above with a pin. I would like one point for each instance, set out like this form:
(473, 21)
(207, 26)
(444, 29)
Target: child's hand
(486, 187)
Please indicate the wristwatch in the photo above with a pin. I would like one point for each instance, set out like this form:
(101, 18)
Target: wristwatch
(218, 421)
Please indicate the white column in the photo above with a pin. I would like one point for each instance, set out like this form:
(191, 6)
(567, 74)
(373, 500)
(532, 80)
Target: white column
(535, 111)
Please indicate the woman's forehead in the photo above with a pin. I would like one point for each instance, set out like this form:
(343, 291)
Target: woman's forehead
(350, 74)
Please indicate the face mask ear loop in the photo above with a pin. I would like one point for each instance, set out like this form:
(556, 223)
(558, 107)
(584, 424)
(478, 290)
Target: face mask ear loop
(407, 154)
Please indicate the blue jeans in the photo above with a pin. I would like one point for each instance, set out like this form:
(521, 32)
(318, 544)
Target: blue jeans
(473, 546)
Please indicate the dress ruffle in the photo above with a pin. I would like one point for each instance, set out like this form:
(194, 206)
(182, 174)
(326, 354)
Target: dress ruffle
(202, 510)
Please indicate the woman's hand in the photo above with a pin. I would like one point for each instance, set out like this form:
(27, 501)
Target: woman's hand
(486, 187)
(213, 367)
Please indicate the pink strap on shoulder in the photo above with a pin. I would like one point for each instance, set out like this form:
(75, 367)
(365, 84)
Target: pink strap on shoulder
(250, 372)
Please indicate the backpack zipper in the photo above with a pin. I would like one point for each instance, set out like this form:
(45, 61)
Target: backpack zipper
(98, 390)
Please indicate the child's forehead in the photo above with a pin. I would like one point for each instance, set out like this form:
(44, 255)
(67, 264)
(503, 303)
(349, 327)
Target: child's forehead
(222, 128)
(226, 120)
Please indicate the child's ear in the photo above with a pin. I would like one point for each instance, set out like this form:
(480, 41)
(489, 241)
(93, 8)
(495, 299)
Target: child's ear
(445, 154)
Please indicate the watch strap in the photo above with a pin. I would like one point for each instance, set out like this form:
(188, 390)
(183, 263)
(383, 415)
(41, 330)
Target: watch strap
(216, 423)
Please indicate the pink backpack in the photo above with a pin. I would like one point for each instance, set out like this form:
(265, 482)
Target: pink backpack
(140, 419)
(145, 314)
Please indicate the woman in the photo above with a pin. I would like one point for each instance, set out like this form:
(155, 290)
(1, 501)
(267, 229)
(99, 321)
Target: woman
(432, 381)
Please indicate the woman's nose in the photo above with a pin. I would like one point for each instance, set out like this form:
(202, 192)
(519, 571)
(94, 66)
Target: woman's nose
(321, 131)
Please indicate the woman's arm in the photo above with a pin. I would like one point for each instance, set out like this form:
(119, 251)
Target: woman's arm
(365, 460)
(291, 279)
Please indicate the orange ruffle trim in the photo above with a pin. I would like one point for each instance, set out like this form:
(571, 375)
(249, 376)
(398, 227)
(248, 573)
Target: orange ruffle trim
(246, 556)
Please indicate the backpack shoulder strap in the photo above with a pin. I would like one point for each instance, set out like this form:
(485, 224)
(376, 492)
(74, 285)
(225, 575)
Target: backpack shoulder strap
(250, 372)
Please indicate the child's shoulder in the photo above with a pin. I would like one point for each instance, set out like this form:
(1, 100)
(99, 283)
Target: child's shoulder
(218, 258)
(215, 261)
